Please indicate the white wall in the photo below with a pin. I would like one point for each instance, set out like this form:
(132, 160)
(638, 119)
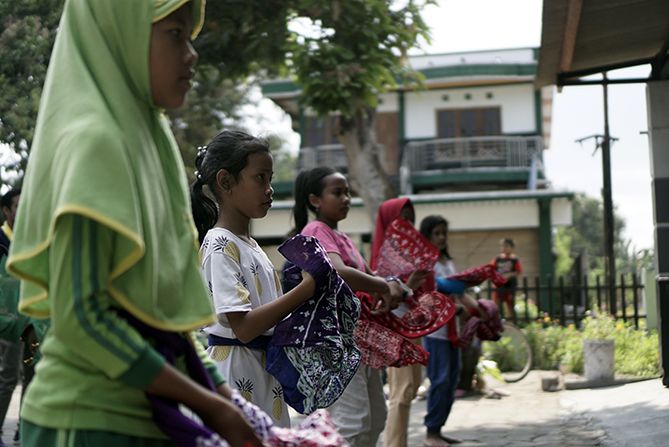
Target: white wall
(516, 102)
(466, 216)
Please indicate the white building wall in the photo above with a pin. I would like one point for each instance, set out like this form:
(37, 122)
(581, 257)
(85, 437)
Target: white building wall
(516, 103)
(462, 216)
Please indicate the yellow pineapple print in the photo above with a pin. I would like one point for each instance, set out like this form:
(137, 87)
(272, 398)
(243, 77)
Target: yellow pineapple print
(245, 387)
(242, 288)
(277, 282)
(232, 251)
(220, 353)
(277, 403)
(255, 270)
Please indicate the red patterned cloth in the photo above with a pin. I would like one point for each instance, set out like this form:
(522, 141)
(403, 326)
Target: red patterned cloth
(405, 250)
(476, 275)
(382, 339)
(490, 329)
(381, 347)
(426, 314)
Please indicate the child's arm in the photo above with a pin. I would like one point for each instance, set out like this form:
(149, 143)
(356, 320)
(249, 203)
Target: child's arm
(251, 324)
(85, 322)
(390, 291)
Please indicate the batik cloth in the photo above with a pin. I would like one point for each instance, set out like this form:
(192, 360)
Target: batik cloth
(405, 250)
(401, 251)
(312, 352)
(316, 431)
(476, 275)
(490, 329)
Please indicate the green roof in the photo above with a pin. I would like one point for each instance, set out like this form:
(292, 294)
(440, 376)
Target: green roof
(271, 88)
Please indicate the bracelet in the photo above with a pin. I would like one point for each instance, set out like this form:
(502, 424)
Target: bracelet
(406, 291)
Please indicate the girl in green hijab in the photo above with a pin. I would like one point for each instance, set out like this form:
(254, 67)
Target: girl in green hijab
(104, 230)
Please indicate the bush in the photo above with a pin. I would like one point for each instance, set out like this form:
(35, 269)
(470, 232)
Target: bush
(554, 346)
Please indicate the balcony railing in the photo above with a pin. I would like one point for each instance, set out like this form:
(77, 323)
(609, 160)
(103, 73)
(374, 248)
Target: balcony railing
(472, 153)
(331, 155)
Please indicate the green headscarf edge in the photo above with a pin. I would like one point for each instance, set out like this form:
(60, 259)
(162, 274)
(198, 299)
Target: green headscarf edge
(162, 9)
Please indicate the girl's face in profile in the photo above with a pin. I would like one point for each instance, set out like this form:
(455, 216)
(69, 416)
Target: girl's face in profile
(439, 236)
(335, 200)
(172, 58)
(251, 194)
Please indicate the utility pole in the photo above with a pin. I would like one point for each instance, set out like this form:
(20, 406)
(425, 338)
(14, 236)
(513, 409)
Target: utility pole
(604, 142)
(608, 204)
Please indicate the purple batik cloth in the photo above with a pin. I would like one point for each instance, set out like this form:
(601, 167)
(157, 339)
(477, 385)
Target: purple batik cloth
(312, 352)
(184, 431)
(317, 430)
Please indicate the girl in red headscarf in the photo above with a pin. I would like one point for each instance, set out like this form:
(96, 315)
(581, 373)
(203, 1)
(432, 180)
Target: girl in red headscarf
(403, 381)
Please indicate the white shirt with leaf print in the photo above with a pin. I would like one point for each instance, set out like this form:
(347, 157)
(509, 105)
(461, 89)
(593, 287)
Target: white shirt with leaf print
(241, 277)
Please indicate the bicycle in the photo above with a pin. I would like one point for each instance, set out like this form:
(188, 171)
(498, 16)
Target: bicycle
(512, 353)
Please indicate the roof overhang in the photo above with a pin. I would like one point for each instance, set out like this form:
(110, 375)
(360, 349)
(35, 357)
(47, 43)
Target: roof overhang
(583, 37)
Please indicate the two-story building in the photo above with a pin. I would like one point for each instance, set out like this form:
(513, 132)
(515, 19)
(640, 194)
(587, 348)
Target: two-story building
(467, 145)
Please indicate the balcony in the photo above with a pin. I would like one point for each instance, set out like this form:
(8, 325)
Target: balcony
(431, 164)
(331, 155)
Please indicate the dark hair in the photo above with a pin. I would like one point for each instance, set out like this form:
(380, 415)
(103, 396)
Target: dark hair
(228, 150)
(428, 224)
(308, 182)
(6, 200)
(509, 241)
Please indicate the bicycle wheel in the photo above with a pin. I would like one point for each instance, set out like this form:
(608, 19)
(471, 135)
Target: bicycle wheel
(512, 353)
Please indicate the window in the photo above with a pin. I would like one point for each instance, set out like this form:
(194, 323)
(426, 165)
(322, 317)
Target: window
(462, 123)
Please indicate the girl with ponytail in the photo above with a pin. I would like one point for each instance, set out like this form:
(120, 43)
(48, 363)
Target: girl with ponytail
(236, 169)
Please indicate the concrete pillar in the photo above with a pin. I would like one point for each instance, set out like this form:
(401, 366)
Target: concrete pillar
(546, 262)
(657, 95)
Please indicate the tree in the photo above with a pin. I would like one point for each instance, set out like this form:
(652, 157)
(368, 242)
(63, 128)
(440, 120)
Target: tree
(342, 53)
(26, 40)
(586, 238)
(27, 36)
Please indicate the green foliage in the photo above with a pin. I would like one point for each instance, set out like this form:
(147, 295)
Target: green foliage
(520, 304)
(346, 52)
(211, 102)
(554, 346)
(28, 30)
(599, 326)
(508, 356)
(586, 237)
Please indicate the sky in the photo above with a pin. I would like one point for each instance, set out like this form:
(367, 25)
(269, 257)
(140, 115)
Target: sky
(470, 25)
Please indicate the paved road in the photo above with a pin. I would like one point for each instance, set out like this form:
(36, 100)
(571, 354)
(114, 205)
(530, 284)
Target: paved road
(527, 417)
(636, 414)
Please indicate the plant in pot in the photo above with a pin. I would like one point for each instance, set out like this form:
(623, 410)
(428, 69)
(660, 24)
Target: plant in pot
(598, 347)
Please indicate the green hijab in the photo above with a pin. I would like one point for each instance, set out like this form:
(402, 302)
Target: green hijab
(103, 150)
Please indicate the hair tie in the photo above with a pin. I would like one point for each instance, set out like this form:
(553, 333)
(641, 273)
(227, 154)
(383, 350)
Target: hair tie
(202, 151)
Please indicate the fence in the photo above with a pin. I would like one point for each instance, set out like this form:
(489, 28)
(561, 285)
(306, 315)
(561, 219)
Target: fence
(566, 300)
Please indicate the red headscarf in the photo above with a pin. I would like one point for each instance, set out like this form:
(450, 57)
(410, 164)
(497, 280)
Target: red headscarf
(388, 211)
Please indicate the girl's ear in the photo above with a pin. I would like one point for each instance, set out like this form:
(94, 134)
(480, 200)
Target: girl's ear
(224, 180)
(314, 200)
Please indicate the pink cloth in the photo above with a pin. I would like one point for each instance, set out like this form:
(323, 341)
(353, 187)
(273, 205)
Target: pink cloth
(335, 242)
(316, 430)
(485, 330)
